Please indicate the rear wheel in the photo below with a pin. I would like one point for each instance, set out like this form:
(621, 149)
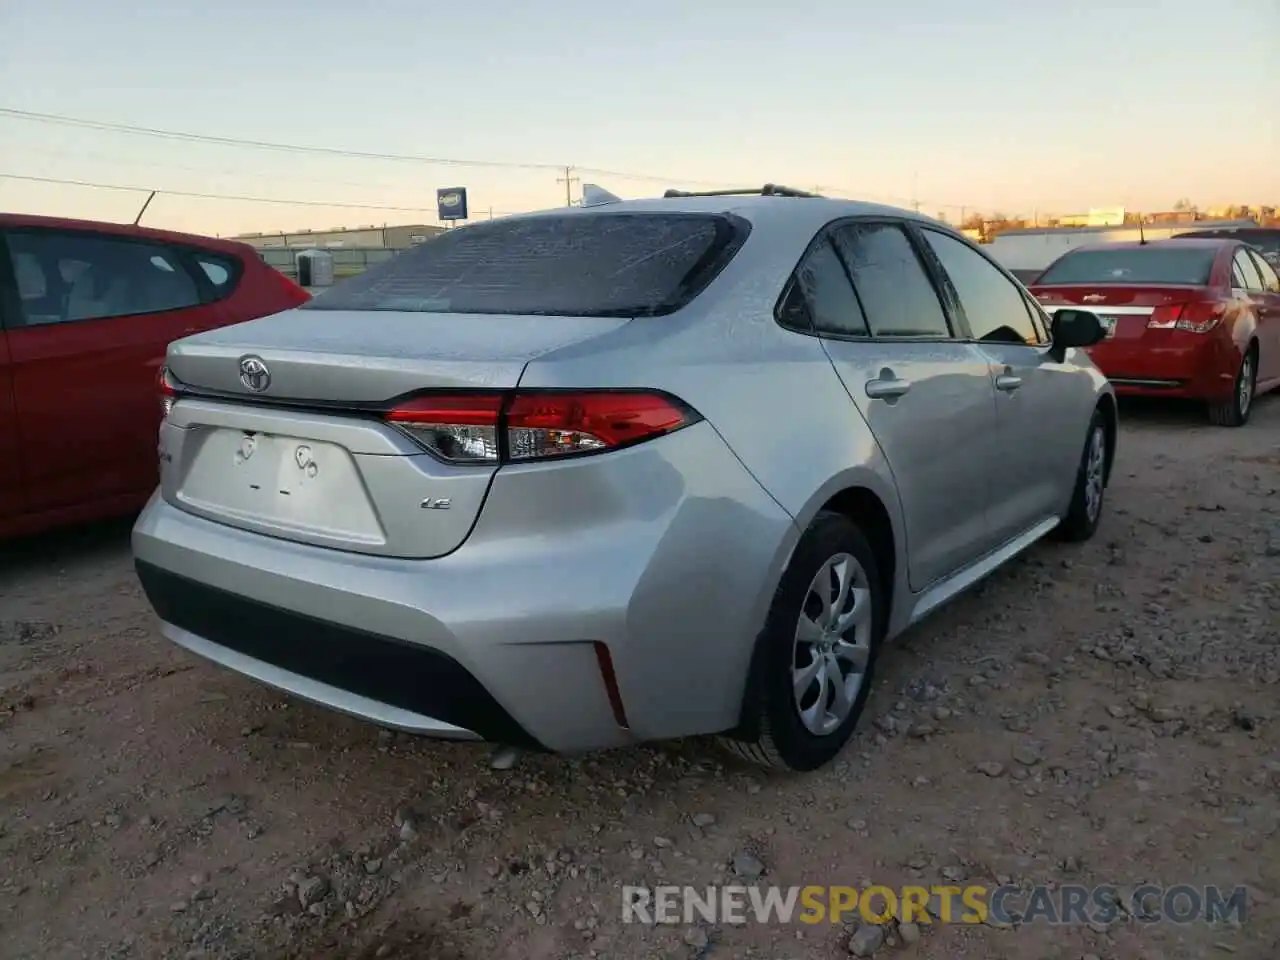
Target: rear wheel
(813, 670)
(1235, 411)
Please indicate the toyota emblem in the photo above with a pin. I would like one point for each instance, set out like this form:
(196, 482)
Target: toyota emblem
(254, 374)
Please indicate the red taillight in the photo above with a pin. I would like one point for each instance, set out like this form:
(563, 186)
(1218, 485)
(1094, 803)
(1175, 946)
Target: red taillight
(1199, 316)
(459, 427)
(554, 424)
(168, 392)
(1165, 317)
(536, 425)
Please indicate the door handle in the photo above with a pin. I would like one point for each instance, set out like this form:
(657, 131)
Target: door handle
(1008, 382)
(887, 389)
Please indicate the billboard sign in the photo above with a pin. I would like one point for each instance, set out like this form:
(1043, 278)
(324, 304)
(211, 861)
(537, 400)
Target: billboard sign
(451, 203)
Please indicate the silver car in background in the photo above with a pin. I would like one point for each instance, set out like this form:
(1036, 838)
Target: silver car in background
(632, 471)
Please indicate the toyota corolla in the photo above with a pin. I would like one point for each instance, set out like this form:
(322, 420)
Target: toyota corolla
(630, 471)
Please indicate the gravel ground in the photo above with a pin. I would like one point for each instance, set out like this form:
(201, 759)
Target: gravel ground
(1095, 714)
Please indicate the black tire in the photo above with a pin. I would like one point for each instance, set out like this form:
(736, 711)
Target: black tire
(1235, 412)
(772, 734)
(1080, 522)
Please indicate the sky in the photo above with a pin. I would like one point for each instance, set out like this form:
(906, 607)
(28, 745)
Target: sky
(1021, 107)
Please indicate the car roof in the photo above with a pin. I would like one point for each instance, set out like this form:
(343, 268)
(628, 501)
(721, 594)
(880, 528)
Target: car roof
(20, 220)
(813, 212)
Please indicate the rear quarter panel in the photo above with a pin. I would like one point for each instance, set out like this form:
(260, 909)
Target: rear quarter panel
(1240, 326)
(772, 396)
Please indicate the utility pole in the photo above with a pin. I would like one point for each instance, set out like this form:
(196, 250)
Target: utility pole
(568, 180)
(915, 181)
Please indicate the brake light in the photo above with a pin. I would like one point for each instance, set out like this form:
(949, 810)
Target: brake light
(1201, 317)
(1197, 317)
(523, 426)
(165, 385)
(1165, 317)
(462, 428)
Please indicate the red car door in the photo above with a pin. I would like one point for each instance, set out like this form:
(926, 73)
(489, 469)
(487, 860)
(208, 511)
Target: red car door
(11, 501)
(97, 311)
(1268, 305)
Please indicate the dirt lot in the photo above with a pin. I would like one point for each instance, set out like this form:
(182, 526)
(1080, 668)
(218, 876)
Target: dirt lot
(1095, 714)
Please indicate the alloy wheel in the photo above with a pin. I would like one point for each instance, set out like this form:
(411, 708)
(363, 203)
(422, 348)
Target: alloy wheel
(832, 644)
(1094, 473)
(1246, 384)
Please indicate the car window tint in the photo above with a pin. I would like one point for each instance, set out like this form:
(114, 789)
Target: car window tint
(91, 277)
(895, 292)
(1039, 319)
(993, 305)
(219, 271)
(583, 264)
(793, 311)
(1270, 282)
(1180, 264)
(1244, 273)
(833, 307)
(30, 277)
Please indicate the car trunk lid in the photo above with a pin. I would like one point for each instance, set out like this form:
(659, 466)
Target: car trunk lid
(357, 357)
(1125, 311)
(294, 446)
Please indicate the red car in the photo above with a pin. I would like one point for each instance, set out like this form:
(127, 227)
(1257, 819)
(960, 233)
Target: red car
(86, 312)
(1196, 318)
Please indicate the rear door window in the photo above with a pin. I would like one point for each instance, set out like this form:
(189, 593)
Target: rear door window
(821, 298)
(1243, 273)
(219, 271)
(896, 294)
(1270, 282)
(572, 264)
(1181, 265)
(69, 276)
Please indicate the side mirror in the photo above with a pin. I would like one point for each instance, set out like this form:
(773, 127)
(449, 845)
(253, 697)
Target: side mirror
(1075, 328)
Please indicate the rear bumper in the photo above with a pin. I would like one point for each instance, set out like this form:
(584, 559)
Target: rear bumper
(400, 684)
(666, 554)
(1202, 369)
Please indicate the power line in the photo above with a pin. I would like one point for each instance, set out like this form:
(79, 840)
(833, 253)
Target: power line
(217, 196)
(216, 172)
(136, 130)
(184, 136)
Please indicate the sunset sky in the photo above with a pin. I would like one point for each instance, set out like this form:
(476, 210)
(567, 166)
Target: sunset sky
(1006, 105)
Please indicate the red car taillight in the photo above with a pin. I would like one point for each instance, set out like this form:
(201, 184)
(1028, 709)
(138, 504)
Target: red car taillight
(526, 425)
(168, 392)
(1200, 316)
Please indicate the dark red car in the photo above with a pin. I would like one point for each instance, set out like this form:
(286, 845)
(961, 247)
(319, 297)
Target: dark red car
(86, 312)
(1197, 318)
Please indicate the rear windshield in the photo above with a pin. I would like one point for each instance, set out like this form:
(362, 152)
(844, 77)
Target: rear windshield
(575, 264)
(1185, 266)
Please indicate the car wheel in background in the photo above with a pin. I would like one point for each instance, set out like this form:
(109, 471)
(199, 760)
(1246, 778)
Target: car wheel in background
(1085, 512)
(813, 668)
(1235, 412)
